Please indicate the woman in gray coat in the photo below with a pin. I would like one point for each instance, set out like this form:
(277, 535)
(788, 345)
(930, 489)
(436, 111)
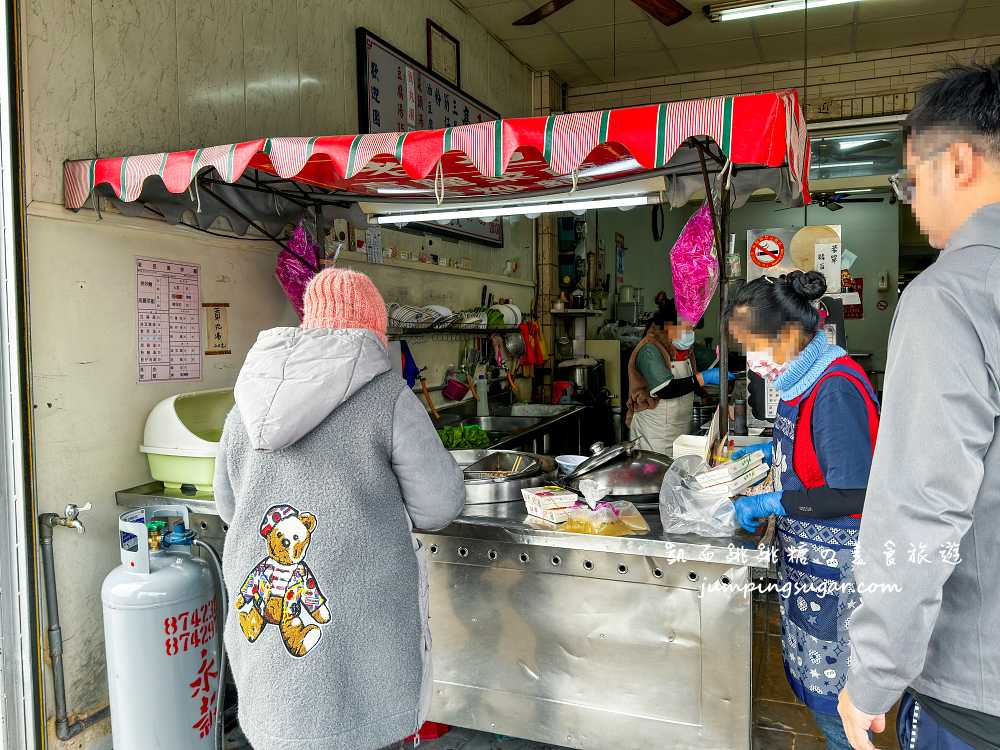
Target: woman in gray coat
(326, 465)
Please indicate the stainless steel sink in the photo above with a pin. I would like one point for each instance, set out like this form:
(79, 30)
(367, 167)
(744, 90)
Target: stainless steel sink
(522, 426)
(539, 410)
(506, 425)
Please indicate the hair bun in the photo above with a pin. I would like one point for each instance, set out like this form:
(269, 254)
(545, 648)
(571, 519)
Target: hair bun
(810, 285)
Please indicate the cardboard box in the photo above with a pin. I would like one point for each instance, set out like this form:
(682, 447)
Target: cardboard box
(551, 503)
(553, 515)
(739, 484)
(549, 497)
(729, 471)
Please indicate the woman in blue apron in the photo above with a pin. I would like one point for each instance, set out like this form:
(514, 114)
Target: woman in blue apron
(824, 435)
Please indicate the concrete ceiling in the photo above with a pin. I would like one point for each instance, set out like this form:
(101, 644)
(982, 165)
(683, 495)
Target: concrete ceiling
(601, 41)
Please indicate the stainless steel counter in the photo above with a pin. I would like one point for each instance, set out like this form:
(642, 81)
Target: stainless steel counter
(508, 522)
(588, 642)
(591, 642)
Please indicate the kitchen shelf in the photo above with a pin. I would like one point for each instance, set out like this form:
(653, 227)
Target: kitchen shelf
(154, 493)
(407, 333)
(348, 257)
(578, 313)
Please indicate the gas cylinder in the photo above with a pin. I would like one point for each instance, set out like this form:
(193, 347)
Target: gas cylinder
(161, 636)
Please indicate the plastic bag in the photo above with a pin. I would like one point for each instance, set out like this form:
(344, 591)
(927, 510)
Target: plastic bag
(593, 492)
(295, 269)
(686, 509)
(619, 518)
(694, 266)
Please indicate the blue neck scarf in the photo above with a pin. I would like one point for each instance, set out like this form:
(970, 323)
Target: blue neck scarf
(807, 368)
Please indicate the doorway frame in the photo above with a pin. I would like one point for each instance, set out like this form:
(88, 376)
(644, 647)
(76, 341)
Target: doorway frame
(22, 724)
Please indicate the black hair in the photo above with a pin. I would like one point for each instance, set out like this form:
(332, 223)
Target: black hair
(665, 314)
(767, 306)
(964, 101)
(668, 310)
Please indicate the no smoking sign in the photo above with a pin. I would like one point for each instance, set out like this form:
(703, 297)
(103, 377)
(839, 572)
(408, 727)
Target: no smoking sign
(767, 251)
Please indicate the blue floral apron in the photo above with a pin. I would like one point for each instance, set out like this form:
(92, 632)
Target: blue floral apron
(817, 593)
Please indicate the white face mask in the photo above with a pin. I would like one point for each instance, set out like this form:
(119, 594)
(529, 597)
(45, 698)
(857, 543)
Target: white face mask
(762, 363)
(685, 341)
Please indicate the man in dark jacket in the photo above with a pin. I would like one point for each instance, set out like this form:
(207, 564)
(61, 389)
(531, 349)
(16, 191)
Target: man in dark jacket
(932, 512)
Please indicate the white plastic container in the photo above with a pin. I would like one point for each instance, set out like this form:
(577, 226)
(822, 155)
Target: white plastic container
(181, 438)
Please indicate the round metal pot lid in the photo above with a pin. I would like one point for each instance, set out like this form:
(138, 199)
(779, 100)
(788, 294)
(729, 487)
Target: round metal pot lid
(640, 474)
(602, 456)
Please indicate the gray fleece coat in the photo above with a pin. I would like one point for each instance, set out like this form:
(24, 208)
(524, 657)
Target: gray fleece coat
(326, 464)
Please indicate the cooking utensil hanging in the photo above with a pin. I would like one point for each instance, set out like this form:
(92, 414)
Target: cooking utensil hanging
(427, 396)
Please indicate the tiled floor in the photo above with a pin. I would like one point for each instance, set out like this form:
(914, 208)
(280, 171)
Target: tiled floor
(781, 722)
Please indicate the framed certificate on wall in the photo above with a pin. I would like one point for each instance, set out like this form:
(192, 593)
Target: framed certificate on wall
(444, 54)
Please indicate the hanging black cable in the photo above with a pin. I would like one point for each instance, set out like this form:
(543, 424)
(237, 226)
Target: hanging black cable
(657, 220)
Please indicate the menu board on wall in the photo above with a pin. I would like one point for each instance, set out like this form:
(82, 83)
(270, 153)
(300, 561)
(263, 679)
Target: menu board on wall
(398, 94)
(168, 320)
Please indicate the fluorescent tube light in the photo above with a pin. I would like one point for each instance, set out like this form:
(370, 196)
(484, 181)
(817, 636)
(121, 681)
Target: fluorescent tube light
(403, 191)
(769, 8)
(531, 210)
(626, 165)
(851, 145)
(854, 190)
(839, 164)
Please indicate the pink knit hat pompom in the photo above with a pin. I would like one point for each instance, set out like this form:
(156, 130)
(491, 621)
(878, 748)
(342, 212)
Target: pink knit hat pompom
(338, 298)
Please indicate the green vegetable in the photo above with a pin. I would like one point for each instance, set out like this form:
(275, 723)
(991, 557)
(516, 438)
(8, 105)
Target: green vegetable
(462, 438)
(494, 319)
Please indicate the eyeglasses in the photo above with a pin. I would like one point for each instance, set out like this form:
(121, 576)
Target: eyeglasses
(903, 185)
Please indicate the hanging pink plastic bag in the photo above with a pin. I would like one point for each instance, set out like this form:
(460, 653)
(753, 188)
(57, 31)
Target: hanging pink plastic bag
(694, 266)
(295, 269)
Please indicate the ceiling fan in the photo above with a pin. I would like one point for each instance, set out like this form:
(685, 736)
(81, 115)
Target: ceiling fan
(835, 201)
(667, 12)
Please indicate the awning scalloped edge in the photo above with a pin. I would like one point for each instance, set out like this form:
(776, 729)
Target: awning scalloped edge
(762, 129)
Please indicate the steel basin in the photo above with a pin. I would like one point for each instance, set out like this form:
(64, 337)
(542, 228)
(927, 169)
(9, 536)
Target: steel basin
(480, 492)
(547, 411)
(506, 425)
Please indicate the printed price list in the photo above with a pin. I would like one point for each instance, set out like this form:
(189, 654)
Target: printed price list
(168, 320)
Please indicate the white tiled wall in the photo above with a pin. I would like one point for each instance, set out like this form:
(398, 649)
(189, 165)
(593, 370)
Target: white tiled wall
(844, 86)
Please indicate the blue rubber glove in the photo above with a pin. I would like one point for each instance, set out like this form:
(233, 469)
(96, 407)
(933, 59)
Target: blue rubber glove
(766, 448)
(758, 506)
(711, 377)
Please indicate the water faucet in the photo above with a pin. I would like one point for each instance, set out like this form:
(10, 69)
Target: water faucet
(70, 518)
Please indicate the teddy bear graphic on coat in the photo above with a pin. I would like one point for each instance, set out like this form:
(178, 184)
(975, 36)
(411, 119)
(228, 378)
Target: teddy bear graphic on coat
(281, 585)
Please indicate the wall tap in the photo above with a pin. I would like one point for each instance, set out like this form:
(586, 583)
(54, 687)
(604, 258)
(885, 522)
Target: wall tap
(70, 518)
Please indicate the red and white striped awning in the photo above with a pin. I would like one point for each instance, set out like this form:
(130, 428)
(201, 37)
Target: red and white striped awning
(484, 161)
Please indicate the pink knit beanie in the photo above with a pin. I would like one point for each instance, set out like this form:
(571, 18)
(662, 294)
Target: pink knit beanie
(338, 298)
